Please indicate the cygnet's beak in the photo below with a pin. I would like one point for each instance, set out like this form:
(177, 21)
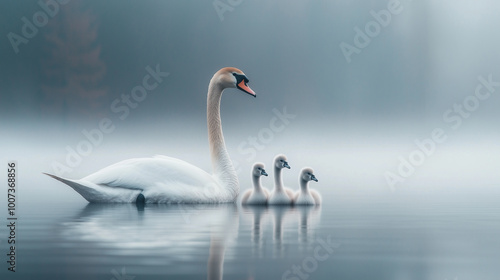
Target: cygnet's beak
(263, 172)
(285, 164)
(314, 178)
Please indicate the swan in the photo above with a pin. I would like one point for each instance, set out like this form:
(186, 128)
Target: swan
(163, 179)
(305, 196)
(280, 194)
(259, 194)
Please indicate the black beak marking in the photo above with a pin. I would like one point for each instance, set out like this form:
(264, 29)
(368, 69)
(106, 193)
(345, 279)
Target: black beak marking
(285, 164)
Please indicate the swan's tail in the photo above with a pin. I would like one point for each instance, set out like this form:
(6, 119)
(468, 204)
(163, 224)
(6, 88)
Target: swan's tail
(85, 189)
(101, 193)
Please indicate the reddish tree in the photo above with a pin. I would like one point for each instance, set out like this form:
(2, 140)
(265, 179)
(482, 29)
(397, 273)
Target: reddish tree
(72, 69)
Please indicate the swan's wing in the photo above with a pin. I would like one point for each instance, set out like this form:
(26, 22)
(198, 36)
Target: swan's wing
(316, 196)
(289, 192)
(172, 159)
(245, 196)
(266, 192)
(160, 176)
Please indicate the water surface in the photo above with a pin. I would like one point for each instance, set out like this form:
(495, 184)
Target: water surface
(355, 237)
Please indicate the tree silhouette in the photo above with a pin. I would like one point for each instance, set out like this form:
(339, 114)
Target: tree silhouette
(72, 70)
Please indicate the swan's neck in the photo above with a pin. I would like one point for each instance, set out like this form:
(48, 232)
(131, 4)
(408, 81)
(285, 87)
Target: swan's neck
(304, 188)
(221, 163)
(277, 179)
(256, 183)
(216, 258)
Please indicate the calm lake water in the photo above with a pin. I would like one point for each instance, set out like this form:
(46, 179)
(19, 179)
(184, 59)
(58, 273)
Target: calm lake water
(351, 237)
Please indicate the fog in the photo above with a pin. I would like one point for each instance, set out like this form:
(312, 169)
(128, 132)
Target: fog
(351, 117)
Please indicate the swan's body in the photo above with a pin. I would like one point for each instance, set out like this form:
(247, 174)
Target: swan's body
(258, 195)
(164, 179)
(306, 196)
(311, 198)
(280, 194)
(160, 179)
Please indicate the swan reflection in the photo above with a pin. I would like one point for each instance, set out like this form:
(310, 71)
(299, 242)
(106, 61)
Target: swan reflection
(309, 217)
(173, 237)
(285, 221)
(259, 214)
(155, 234)
(281, 215)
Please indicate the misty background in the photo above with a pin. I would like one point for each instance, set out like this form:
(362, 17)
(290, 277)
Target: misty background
(352, 120)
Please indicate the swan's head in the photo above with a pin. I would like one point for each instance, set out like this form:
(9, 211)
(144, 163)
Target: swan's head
(230, 77)
(280, 161)
(258, 170)
(307, 174)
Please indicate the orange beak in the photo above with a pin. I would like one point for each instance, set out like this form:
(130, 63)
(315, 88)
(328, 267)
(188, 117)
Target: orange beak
(243, 86)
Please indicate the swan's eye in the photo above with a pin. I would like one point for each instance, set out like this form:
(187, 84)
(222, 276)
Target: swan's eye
(240, 77)
(281, 160)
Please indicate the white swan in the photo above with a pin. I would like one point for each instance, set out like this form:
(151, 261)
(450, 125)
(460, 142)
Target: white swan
(280, 194)
(164, 179)
(257, 195)
(305, 196)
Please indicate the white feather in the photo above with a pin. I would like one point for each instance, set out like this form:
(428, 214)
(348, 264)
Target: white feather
(163, 179)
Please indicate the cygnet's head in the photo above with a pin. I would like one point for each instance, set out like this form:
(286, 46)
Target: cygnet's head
(307, 174)
(280, 161)
(258, 170)
(230, 77)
